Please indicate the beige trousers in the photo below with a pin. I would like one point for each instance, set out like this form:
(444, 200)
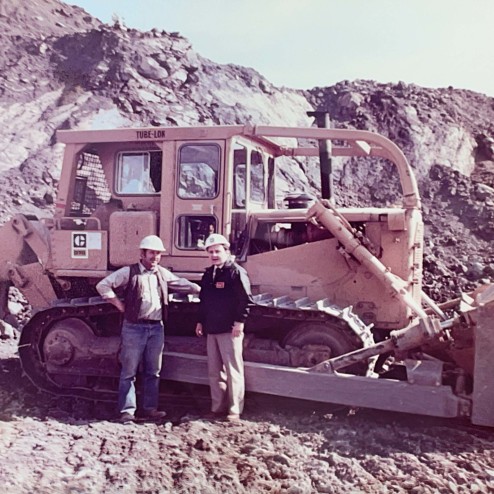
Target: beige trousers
(226, 372)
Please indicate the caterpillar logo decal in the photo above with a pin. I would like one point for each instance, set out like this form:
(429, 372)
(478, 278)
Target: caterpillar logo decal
(83, 242)
(79, 245)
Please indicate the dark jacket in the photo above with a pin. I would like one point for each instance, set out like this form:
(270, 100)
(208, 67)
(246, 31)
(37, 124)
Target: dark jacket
(225, 299)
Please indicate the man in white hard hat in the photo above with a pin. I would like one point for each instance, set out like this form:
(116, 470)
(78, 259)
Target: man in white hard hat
(145, 297)
(223, 309)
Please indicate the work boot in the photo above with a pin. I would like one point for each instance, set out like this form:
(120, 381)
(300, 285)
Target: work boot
(154, 414)
(215, 416)
(126, 418)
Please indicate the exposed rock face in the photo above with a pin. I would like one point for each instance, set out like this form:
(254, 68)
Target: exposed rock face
(80, 73)
(432, 126)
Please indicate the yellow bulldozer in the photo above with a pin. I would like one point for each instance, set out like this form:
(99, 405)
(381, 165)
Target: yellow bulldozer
(339, 313)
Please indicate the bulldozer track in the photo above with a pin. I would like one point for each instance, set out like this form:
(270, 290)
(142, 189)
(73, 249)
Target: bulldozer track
(320, 310)
(88, 308)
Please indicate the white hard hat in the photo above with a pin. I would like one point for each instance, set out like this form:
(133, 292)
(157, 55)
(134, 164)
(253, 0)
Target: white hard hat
(152, 242)
(216, 239)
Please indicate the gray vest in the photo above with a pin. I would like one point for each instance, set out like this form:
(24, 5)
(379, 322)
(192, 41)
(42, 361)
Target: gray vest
(134, 292)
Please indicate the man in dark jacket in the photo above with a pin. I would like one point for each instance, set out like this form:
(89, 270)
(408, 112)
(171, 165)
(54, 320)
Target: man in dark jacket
(224, 307)
(145, 287)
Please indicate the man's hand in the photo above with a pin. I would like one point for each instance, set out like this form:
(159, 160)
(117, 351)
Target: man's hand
(199, 329)
(237, 329)
(117, 303)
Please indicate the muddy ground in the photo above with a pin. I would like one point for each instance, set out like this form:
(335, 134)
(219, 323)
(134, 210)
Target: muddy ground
(61, 445)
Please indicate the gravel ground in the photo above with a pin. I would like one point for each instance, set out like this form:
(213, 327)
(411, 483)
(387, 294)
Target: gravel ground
(53, 445)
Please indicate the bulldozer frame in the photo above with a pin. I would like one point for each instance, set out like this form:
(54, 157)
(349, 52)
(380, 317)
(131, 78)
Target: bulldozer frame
(340, 315)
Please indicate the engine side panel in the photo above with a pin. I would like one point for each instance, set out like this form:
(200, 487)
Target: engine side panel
(299, 267)
(318, 271)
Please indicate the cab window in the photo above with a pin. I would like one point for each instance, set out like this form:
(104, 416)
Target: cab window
(239, 176)
(193, 230)
(257, 187)
(90, 187)
(139, 173)
(198, 171)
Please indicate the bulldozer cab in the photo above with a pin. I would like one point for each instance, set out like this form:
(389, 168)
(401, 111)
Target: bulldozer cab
(181, 184)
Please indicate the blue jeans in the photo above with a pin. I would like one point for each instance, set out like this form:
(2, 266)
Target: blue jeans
(140, 342)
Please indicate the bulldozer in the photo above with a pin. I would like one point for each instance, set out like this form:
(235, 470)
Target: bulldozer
(339, 313)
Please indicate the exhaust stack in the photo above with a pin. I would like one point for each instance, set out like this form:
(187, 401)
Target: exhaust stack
(323, 122)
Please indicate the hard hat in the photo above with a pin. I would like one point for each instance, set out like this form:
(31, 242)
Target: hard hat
(152, 242)
(216, 239)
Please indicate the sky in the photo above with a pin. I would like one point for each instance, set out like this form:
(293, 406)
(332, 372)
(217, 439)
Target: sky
(302, 44)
